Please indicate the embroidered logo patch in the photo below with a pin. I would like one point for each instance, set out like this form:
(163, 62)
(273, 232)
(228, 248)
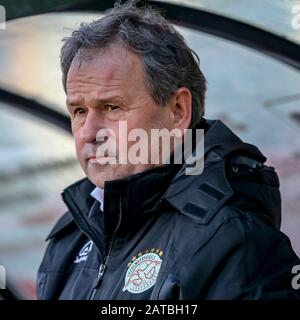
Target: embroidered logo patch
(143, 271)
(83, 253)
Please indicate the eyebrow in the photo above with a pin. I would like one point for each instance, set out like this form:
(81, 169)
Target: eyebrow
(109, 99)
(71, 104)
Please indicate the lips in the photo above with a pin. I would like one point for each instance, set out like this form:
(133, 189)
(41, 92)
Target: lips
(101, 160)
(98, 156)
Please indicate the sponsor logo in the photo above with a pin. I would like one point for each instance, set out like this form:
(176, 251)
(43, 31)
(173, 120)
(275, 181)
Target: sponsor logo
(84, 252)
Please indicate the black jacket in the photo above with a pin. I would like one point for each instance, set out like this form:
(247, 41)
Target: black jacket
(167, 235)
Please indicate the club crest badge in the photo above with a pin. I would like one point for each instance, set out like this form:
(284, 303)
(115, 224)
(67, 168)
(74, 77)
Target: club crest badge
(143, 271)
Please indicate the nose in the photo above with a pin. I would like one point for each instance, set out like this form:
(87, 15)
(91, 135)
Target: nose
(92, 125)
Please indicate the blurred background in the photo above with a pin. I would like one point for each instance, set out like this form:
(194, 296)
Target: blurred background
(257, 96)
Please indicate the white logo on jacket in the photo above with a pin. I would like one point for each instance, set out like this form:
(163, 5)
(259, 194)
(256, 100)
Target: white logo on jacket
(84, 252)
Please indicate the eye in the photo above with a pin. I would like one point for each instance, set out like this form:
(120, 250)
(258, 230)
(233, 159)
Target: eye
(111, 107)
(78, 111)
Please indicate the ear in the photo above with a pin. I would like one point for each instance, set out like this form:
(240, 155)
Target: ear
(181, 109)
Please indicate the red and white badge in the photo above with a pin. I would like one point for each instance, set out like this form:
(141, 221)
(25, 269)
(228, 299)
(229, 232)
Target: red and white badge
(143, 271)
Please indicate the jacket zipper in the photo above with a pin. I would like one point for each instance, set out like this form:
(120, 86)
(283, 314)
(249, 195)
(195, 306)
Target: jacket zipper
(103, 266)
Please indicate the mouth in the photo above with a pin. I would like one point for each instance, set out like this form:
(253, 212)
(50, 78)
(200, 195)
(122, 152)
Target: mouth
(94, 160)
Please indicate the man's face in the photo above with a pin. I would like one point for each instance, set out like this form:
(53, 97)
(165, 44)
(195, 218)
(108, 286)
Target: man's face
(106, 87)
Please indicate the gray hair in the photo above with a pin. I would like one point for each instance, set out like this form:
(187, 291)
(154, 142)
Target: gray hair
(167, 60)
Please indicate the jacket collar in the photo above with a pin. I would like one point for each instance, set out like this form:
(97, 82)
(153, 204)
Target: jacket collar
(140, 194)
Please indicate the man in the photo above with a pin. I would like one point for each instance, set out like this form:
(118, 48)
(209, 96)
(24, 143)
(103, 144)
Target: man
(147, 229)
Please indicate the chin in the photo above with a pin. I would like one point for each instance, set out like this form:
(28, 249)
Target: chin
(99, 178)
(113, 172)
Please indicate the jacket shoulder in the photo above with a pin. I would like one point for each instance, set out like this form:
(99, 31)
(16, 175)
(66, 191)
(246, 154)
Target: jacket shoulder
(62, 223)
(241, 183)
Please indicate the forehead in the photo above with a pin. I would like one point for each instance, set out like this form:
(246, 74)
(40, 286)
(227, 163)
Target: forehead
(114, 63)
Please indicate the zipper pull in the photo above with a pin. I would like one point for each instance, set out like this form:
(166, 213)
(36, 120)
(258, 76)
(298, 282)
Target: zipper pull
(101, 271)
(98, 280)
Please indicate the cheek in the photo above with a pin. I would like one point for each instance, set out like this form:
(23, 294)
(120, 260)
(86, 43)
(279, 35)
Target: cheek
(76, 125)
(143, 119)
(78, 142)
